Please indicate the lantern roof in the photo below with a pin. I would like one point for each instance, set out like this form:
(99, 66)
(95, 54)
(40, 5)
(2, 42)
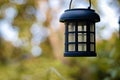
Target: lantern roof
(79, 14)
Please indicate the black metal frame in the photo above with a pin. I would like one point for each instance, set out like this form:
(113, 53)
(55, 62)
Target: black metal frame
(88, 43)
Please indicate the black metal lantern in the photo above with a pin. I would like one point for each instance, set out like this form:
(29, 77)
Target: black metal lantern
(79, 31)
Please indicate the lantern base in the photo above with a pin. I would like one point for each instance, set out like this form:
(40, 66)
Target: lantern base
(79, 54)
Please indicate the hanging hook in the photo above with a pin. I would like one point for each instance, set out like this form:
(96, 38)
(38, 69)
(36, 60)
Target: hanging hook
(71, 4)
(90, 4)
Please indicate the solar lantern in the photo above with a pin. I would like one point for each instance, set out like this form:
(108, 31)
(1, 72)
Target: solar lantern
(80, 31)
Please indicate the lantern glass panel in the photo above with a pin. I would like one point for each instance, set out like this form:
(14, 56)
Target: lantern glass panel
(92, 47)
(71, 27)
(92, 28)
(71, 47)
(81, 47)
(81, 28)
(81, 37)
(91, 37)
(71, 37)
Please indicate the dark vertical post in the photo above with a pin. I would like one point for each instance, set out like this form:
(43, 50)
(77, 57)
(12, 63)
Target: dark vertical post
(88, 36)
(76, 36)
(119, 26)
(94, 38)
(66, 37)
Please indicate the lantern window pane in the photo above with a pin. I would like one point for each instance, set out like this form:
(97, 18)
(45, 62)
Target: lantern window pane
(81, 37)
(92, 47)
(81, 47)
(71, 27)
(91, 37)
(71, 37)
(92, 28)
(82, 28)
(71, 47)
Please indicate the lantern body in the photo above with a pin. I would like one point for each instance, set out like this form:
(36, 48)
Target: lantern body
(79, 32)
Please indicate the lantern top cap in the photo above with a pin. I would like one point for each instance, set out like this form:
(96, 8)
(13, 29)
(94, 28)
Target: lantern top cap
(79, 14)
